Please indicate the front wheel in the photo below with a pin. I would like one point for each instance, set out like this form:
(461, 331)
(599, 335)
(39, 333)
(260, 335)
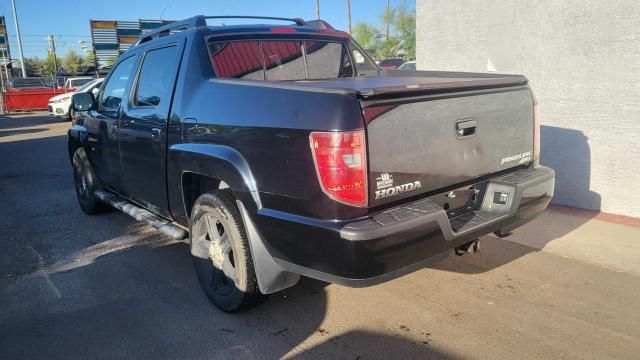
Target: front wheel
(221, 255)
(86, 183)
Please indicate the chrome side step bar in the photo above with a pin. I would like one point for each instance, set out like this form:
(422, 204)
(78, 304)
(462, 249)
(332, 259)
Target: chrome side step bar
(140, 214)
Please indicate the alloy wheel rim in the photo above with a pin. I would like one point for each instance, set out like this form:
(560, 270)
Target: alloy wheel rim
(81, 183)
(221, 257)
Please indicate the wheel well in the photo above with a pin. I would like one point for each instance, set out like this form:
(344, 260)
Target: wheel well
(194, 185)
(73, 145)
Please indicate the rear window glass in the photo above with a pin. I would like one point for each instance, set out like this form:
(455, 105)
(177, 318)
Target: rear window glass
(283, 60)
(237, 59)
(326, 60)
(280, 60)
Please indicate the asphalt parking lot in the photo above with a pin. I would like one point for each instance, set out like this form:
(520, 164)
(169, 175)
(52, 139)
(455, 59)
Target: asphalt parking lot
(78, 287)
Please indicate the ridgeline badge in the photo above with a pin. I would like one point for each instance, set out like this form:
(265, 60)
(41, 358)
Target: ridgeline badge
(523, 158)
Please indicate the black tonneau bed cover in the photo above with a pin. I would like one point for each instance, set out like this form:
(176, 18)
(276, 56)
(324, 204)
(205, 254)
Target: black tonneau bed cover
(406, 82)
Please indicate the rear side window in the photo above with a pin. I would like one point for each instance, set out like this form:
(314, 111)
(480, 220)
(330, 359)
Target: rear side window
(280, 60)
(156, 76)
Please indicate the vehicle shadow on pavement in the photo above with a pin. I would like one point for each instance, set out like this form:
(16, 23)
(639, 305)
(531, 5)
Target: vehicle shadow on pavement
(21, 131)
(146, 304)
(25, 120)
(372, 345)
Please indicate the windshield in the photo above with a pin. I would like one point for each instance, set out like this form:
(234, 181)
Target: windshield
(86, 86)
(408, 66)
(287, 60)
(78, 82)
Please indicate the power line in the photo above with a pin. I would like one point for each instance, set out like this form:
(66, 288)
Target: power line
(69, 35)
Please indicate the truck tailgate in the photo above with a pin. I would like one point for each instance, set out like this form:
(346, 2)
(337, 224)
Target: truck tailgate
(420, 144)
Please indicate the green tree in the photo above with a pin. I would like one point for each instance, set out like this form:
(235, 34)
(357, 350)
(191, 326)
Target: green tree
(88, 61)
(366, 35)
(72, 63)
(34, 66)
(49, 69)
(399, 27)
(387, 48)
(405, 26)
(388, 16)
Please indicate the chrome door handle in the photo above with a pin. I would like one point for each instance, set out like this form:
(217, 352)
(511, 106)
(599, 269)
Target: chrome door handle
(155, 133)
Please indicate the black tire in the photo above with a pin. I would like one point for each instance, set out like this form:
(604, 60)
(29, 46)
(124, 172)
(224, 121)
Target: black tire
(86, 183)
(72, 114)
(217, 213)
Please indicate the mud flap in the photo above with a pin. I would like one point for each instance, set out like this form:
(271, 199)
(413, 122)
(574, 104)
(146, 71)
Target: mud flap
(271, 277)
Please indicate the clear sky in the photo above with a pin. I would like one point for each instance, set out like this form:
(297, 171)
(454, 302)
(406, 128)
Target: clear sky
(68, 20)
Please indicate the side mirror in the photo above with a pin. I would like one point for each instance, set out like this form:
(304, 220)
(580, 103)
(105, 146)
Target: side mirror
(82, 101)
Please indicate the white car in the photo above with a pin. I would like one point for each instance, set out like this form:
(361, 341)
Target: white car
(77, 82)
(60, 105)
(409, 65)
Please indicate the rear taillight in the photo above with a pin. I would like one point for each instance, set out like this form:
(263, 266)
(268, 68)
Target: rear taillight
(341, 164)
(536, 135)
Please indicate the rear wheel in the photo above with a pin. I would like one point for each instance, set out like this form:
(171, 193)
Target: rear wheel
(221, 255)
(86, 183)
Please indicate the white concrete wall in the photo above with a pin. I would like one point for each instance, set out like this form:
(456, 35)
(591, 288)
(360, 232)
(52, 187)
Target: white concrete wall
(583, 61)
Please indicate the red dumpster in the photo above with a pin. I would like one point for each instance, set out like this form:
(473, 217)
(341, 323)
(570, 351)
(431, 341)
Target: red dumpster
(29, 99)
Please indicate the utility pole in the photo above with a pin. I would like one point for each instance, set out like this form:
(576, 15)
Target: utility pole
(15, 19)
(388, 18)
(318, 9)
(6, 61)
(349, 15)
(52, 51)
(4, 58)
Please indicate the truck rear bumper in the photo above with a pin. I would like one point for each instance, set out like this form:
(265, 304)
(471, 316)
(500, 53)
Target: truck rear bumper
(394, 242)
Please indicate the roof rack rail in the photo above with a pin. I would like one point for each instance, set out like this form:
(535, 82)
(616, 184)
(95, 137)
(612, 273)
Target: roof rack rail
(296, 21)
(201, 21)
(192, 22)
(320, 25)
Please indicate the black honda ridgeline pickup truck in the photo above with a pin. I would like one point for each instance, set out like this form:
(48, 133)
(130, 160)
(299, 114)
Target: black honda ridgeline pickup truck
(283, 150)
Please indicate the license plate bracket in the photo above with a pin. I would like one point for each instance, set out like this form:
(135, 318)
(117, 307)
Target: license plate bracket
(461, 200)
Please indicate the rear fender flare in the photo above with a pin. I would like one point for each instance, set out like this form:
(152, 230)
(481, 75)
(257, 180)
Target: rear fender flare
(218, 162)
